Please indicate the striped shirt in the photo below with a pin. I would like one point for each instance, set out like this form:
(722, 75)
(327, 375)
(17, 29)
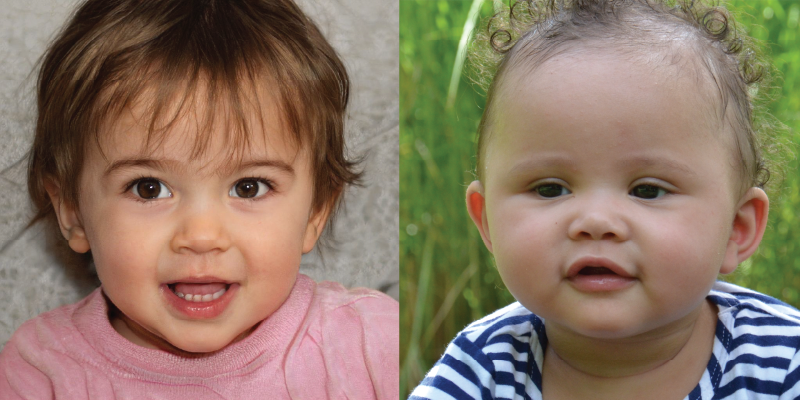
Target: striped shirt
(755, 353)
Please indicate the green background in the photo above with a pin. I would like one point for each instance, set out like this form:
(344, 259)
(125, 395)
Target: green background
(448, 278)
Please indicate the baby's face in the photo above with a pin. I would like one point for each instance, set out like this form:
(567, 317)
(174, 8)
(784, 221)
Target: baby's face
(610, 192)
(195, 251)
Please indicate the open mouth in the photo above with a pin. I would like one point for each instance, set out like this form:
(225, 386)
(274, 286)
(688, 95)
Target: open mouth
(199, 292)
(200, 298)
(596, 271)
(598, 274)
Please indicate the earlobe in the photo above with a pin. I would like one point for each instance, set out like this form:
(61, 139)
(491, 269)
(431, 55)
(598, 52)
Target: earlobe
(314, 228)
(69, 221)
(476, 206)
(749, 224)
(77, 240)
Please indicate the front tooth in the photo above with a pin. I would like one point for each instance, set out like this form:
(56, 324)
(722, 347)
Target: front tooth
(197, 298)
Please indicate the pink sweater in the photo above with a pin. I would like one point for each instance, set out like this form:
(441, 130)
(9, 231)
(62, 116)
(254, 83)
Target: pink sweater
(323, 343)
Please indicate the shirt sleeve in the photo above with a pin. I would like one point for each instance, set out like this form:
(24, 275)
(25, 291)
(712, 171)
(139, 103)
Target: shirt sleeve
(19, 378)
(791, 384)
(350, 345)
(381, 327)
(464, 373)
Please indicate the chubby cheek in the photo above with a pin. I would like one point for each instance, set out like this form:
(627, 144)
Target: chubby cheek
(127, 256)
(270, 239)
(124, 229)
(272, 261)
(682, 258)
(526, 246)
(271, 252)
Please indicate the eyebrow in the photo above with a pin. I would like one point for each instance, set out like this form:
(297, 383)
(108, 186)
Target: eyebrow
(541, 162)
(161, 165)
(278, 164)
(632, 162)
(134, 162)
(644, 161)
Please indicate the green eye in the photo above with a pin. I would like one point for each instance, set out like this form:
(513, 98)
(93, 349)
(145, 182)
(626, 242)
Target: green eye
(551, 190)
(647, 192)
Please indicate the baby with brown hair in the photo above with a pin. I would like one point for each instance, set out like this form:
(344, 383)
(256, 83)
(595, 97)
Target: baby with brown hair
(196, 150)
(620, 171)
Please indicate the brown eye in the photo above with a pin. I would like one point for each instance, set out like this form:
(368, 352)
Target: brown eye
(150, 189)
(249, 188)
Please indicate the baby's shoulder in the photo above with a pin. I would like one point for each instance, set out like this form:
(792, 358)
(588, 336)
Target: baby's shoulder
(757, 343)
(742, 308)
(353, 330)
(754, 323)
(512, 333)
(41, 348)
(332, 295)
(360, 313)
(501, 353)
(53, 330)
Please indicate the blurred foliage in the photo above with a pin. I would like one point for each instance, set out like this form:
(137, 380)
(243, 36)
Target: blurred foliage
(448, 278)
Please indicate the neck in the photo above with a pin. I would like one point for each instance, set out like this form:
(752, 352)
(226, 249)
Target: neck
(667, 354)
(613, 358)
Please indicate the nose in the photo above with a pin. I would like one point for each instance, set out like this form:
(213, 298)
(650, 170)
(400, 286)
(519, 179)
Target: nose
(201, 229)
(599, 217)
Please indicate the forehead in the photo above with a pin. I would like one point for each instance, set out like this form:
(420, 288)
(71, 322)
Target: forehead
(601, 103)
(619, 71)
(564, 80)
(200, 128)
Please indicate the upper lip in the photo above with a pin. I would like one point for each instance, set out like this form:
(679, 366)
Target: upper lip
(594, 261)
(199, 279)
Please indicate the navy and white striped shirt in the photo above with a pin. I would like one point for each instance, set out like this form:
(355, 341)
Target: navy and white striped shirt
(755, 354)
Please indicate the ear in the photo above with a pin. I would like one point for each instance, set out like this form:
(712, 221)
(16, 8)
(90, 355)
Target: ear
(316, 224)
(476, 206)
(69, 220)
(749, 225)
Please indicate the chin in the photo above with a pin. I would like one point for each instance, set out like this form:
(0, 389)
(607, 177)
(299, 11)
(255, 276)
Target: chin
(200, 345)
(606, 328)
(197, 348)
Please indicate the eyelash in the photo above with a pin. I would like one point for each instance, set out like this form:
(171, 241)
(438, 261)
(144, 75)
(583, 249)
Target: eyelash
(660, 190)
(268, 183)
(129, 188)
(536, 188)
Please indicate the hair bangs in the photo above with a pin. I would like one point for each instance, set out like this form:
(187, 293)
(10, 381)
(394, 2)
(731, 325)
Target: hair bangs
(231, 66)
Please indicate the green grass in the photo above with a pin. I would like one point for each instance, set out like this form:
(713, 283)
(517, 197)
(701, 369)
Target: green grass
(448, 278)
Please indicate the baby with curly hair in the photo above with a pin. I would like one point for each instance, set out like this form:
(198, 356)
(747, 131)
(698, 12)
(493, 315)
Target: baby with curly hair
(622, 161)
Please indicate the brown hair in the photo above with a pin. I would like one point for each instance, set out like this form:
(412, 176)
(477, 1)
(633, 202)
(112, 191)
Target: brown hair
(532, 31)
(111, 51)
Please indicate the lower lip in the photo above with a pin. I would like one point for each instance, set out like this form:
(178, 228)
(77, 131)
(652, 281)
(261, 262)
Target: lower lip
(200, 310)
(601, 283)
